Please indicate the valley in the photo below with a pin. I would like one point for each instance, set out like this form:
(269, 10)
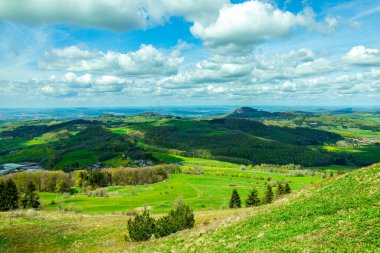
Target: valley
(196, 161)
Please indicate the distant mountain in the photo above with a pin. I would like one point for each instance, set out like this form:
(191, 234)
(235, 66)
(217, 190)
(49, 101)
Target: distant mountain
(248, 113)
(343, 110)
(150, 114)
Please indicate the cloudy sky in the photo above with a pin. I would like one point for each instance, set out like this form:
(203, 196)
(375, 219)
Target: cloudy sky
(71, 53)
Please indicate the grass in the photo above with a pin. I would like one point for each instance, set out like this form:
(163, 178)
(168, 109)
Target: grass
(336, 215)
(33, 154)
(201, 192)
(79, 157)
(369, 154)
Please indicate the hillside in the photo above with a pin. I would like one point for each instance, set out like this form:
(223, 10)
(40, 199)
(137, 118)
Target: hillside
(339, 215)
(108, 139)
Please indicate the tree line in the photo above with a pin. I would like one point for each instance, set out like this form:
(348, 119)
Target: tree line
(253, 198)
(59, 181)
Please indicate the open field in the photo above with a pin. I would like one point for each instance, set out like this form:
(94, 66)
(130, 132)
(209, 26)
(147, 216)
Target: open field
(370, 154)
(201, 192)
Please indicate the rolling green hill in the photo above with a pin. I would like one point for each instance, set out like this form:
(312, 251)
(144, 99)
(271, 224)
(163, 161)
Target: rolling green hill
(337, 215)
(278, 138)
(340, 214)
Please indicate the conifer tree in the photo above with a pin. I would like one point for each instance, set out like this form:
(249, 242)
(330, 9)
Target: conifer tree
(287, 189)
(268, 195)
(30, 198)
(12, 194)
(235, 201)
(8, 196)
(253, 199)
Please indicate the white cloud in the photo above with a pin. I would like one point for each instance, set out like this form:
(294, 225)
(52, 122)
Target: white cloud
(112, 14)
(193, 10)
(251, 69)
(240, 26)
(116, 14)
(146, 61)
(360, 55)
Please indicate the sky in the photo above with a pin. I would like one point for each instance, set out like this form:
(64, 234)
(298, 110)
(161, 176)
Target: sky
(123, 53)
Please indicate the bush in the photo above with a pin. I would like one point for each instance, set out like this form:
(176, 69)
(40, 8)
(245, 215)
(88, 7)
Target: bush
(179, 219)
(287, 189)
(98, 193)
(142, 227)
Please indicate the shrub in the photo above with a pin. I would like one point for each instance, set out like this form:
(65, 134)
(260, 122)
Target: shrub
(176, 220)
(287, 189)
(142, 227)
(280, 190)
(235, 201)
(98, 193)
(192, 170)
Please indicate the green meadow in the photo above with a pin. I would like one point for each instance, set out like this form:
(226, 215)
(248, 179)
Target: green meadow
(208, 191)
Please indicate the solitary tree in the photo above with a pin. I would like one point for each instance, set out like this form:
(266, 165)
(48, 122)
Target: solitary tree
(287, 189)
(30, 198)
(253, 199)
(235, 201)
(268, 195)
(8, 196)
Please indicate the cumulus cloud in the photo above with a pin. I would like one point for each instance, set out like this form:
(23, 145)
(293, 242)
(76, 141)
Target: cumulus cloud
(73, 85)
(239, 26)
(115, 14)
(146, 61)
(362, 56)
(251, 69)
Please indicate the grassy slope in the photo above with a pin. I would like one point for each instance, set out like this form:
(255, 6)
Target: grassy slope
(339, 215)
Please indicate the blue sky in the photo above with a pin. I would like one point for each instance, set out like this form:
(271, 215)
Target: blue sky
(189, 52)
